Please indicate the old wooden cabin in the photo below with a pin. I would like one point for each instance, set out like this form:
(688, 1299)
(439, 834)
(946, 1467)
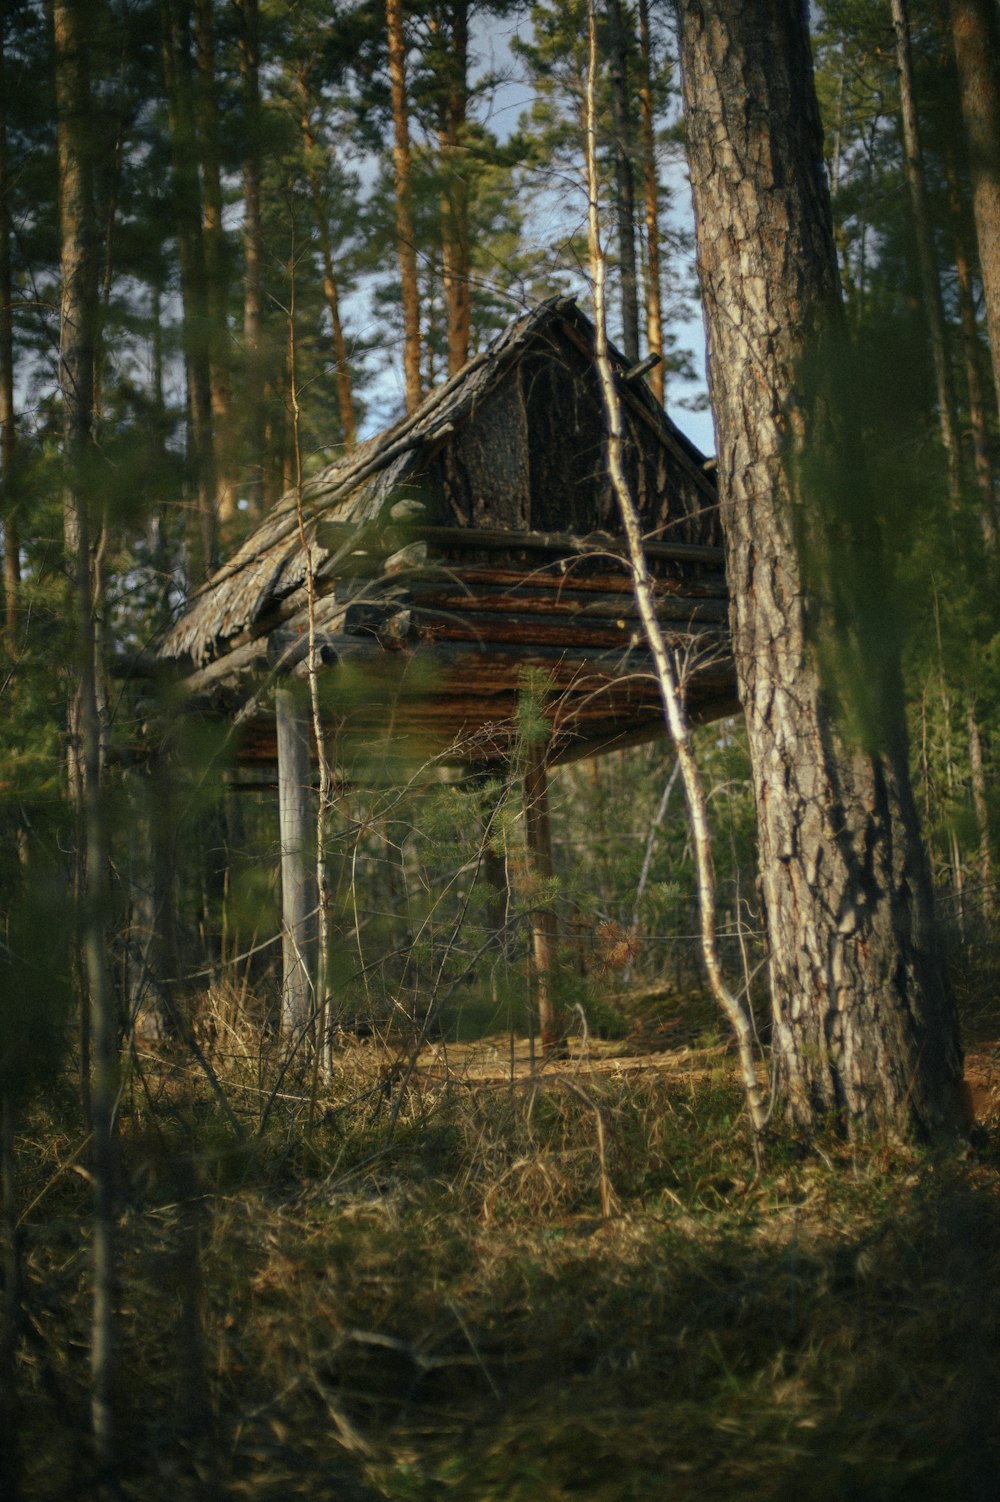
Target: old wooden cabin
(475, 539)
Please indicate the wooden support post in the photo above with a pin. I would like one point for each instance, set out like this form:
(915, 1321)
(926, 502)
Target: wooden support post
(297, 902)
(544, 930)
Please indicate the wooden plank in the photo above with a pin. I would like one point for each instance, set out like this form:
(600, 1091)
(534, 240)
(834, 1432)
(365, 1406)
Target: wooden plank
(297, 901)
(544, 927)
(522, 629)
(439, 595)
(330, 534)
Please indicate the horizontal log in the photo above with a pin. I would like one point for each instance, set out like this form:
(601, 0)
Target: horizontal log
(434, 594)
(333, 535)
(522, 630)
(571, 574)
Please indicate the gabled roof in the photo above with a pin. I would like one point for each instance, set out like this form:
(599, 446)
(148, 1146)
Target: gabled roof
(357, 490)
(476, 538)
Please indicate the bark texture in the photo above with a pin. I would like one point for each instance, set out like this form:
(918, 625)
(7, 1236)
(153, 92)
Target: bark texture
(455, 244)
(77, 347)
(253, 244)
(405, 237)
(191, 253)
(929, 282)
(317, 168)
(976, 33)
(864, 1021)
(651, 209)
(624, 184)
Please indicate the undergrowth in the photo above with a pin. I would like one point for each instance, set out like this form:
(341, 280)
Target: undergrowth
(557, 1286)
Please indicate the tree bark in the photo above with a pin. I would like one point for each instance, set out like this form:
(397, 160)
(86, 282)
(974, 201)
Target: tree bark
(406, 245)
(253, 244)
(976, 36)
(77, 329)
(455, 194)
(977, 772)
(297, 897)
(864, 1019)
(331, 295)
(552, 1023)
(191, 252)
(8, 416)
(988, 518)
(929, 281)
(624, 185)
(216, 269)
(650, 198)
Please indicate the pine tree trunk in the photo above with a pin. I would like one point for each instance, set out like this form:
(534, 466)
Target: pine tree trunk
(8, 416)
(77, 326)
(970, 357)
(406, 245)
(455, 196)
(624, 186)
(977, 770)
(191, 252)
(253, 245)
(216, 272)
(10, 1332)
(331, 296)
(654, 280)
(929, 281)
(976, 35)
(864, 1021)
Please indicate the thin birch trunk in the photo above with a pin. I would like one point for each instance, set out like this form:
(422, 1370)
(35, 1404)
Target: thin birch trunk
(673, 707)
(406, 246)
(929, 280)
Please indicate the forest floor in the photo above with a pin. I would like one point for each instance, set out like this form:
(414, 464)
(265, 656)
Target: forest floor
(474, 1279)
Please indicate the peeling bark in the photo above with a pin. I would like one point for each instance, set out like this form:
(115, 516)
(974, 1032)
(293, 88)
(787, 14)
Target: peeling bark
(976, 36)
(864, 1019)
(405, 235)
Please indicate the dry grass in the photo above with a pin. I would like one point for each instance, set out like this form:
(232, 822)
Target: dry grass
(572, 1284)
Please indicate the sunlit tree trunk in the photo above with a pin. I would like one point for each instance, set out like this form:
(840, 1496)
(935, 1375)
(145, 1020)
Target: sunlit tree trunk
(455, 247)
(977, 770)
(929, 281)
(77, 325)
(406, 246)
(864, 1021)
(8, 416)
(624, 185)
(971, 358)
(976, 35)
(216, 269)
(650, 198)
